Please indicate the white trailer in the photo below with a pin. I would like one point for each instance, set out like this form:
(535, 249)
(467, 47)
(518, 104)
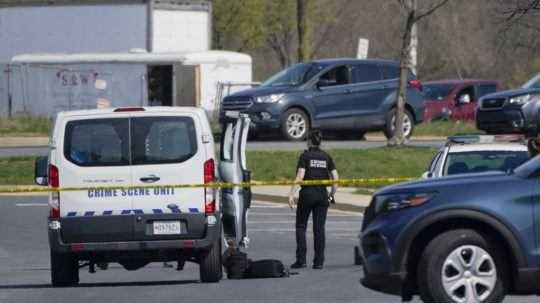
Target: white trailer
(74, 26)
(56, 82)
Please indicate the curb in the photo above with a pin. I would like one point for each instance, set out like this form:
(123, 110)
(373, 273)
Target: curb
(284, 200)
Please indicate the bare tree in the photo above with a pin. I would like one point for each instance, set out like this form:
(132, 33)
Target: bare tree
(413, 16)
(304, 30)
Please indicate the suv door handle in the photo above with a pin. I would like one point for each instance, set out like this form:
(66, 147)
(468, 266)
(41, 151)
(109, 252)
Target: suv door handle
(150, 179)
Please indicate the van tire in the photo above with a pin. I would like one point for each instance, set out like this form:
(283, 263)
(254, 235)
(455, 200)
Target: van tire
(64, 270)
(432, 266)
(389, 127)
(210, 267)
(296, 116)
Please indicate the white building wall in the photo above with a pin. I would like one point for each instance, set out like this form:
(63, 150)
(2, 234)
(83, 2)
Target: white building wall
(179, 31)
(71, 29)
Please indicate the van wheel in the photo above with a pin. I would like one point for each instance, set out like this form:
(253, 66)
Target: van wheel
(210, 264)
(390, 128)
(462, 266)
(64, 270)
(295, 125)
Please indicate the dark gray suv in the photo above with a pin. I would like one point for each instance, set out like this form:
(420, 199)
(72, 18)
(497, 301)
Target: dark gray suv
(347, 95)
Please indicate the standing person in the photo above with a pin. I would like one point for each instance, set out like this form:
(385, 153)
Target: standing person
(313, 164)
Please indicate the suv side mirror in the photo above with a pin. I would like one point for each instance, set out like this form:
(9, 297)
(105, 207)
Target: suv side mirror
(427, 175)
(41, 171)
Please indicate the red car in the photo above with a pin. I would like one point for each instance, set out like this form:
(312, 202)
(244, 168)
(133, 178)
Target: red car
(455, 99)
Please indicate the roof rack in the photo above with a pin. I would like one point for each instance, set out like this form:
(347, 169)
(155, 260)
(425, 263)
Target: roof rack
(479, 139)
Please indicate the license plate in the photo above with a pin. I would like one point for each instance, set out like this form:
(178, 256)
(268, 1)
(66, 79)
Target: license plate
(167, 228)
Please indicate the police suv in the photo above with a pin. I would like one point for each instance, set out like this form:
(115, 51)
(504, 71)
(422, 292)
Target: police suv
(120, 174)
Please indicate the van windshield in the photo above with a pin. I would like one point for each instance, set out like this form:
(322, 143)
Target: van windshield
(295, 75)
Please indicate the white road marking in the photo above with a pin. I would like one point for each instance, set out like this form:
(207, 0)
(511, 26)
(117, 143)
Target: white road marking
(31, 204)
(292, 221)
(292, 214)
(293, 229)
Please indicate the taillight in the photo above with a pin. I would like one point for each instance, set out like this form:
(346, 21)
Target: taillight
(416, 84)
(54, 182)
(209, 193)
(54, 176)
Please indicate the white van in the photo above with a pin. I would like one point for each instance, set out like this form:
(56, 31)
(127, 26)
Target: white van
(126, 160)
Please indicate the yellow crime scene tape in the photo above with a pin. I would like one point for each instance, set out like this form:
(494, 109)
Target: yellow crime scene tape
(222, 185)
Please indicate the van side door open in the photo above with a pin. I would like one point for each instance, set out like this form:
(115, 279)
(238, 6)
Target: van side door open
(233, 168)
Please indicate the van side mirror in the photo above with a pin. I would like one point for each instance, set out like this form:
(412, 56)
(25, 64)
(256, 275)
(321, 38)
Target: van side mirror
(41, 171)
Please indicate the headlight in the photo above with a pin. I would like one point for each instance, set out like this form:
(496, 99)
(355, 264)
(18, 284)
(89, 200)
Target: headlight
(269, 99)
(520, 99)
(384, 203)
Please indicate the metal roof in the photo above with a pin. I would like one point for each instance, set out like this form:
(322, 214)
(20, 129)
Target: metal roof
(135, 57)
(158, 4)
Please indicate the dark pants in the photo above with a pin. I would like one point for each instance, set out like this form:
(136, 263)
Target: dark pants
(320, 209)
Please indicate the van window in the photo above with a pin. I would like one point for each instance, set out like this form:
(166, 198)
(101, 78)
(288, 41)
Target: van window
(157, 140)
(366, 73)
(98, 142)
(337, 76)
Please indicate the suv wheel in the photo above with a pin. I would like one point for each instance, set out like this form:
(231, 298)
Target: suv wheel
(408, 124)
(461, 266)
(210, 264)
(295, 125)
(64, 270)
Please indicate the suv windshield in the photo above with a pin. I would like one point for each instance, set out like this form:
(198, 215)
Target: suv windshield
(482, 161)
(437, 91)
(533, 83)
(295, 75)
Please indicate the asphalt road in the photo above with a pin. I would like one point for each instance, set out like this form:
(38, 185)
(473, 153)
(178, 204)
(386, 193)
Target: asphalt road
(24, 266)
(252, 145)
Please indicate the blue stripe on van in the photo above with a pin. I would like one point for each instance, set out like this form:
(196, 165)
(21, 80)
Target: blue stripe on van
(155, 211)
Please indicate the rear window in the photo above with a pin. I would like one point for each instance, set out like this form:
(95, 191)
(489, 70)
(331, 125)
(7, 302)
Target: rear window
(99, 142)
(390, 72)
(481, 161)
(485, 89)
(106, 142)
(365, 73)
(157, 140)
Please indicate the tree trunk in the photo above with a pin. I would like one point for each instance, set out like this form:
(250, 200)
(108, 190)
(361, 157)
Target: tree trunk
(414, 48)
(405, 65)
(304, 32)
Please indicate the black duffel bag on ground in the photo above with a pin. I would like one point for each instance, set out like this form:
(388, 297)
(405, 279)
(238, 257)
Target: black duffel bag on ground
(236, 264)
(266, 269)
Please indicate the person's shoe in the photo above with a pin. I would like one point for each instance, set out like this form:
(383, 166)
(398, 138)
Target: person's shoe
(297, 265)
(317, 266)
